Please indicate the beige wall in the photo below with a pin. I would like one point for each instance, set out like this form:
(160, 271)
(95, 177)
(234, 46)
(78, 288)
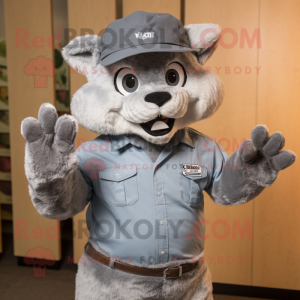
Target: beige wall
(276, 212)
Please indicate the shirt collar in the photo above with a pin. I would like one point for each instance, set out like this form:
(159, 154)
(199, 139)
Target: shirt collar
(184, 137)
(120, 141)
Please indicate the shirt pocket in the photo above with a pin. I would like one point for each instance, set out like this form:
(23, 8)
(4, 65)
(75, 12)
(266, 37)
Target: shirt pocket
(191, 187)
(119, 187)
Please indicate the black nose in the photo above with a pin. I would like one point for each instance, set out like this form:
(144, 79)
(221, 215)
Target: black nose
(159, 98)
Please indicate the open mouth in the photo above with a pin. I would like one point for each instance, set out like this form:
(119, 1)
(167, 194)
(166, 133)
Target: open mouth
(159, 126)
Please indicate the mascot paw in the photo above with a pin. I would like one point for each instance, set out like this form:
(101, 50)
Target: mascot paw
(50, 144)
(262, 156)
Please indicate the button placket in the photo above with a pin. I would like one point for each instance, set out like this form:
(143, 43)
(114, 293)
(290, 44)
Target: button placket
(160, 210)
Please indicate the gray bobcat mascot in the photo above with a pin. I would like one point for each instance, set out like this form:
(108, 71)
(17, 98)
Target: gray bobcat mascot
(143, 178)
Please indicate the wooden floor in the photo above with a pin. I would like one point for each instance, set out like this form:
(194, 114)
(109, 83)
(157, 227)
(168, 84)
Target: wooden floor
(223, 297)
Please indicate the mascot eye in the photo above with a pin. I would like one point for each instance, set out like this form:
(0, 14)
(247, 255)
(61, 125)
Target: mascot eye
(125, 82)
(176, 75)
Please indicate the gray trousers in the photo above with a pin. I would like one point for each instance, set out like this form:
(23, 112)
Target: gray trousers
(95, 281)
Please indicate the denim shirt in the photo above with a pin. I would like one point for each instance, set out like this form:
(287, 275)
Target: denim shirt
(148, 212)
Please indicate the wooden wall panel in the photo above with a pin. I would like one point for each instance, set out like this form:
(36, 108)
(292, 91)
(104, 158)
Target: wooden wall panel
(92, 15)
(172, 7)
(34, 17)
(231, 123)
(276, 211)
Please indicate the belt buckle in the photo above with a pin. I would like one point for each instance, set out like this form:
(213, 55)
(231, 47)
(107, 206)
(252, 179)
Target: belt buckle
(179, 272)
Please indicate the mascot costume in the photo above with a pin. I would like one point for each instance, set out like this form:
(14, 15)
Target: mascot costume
(143, 178)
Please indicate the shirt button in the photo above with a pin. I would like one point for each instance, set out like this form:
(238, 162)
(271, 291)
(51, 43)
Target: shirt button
(162, 252)
(159, 193)
(161, 222)
(117, 175)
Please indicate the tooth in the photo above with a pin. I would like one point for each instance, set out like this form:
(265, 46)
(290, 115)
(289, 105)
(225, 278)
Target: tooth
(158, 125)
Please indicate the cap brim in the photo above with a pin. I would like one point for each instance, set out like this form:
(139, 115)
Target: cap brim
(127, 52)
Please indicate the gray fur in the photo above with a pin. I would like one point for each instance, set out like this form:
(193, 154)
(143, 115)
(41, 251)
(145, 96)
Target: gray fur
(251, 168)
(283, 160)
(56, 187)
(198, 99)
(83, 52)
(96, 281)
(274, 144)
(203, 38)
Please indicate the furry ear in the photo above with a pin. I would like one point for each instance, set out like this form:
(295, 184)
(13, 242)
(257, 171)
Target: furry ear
(83, 52)
(203, 38)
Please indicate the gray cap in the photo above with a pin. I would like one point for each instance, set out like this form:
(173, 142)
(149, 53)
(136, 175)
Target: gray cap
(142, 32)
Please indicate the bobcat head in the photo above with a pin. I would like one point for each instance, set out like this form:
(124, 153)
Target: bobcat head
(151, 94)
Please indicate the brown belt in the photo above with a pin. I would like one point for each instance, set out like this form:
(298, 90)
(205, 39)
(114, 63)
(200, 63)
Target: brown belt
(167, 273)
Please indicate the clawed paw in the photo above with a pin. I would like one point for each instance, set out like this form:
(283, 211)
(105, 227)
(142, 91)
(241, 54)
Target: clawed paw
(50, 141)
(263, 157)
(62, 129)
